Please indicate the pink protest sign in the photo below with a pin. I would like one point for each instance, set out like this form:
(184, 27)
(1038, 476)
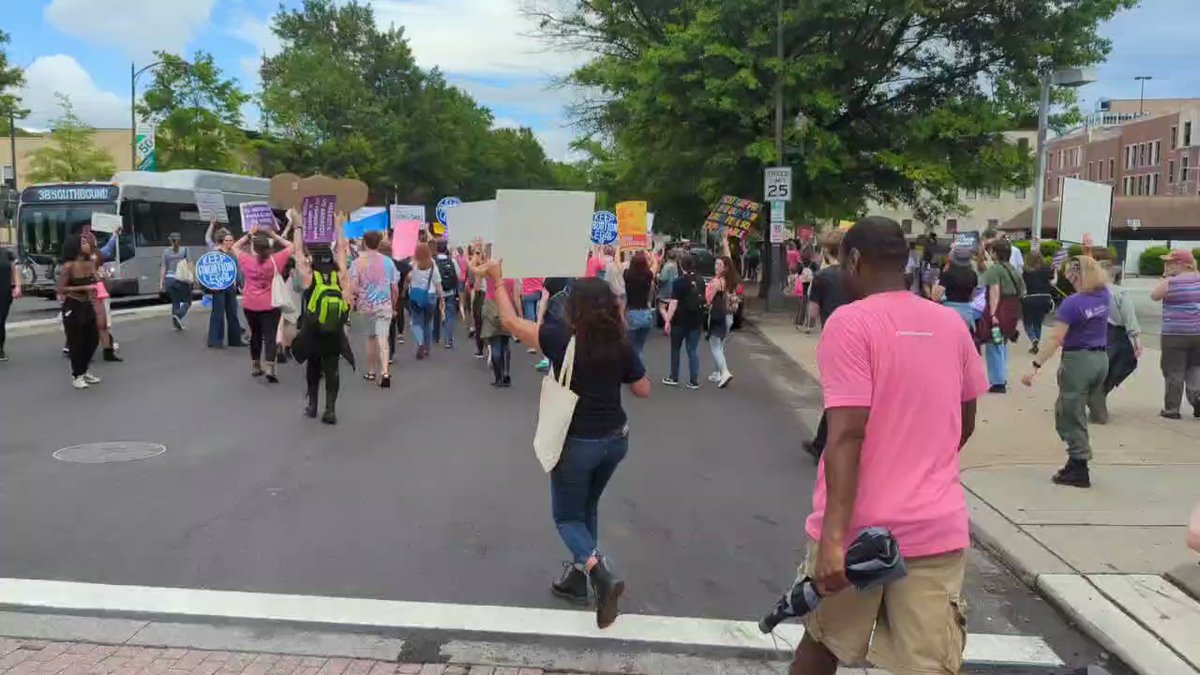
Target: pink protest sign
(404, 238)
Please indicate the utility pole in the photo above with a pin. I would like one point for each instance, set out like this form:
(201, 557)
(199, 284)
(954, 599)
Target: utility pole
(771, 258)
(1142, 99)
(133, 163)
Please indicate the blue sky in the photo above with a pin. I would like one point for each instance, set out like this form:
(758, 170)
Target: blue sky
(84, 48)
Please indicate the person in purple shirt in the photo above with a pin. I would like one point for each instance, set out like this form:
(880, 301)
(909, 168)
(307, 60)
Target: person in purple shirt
(1081, 328)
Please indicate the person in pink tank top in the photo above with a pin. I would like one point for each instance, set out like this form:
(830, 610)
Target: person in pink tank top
(900, 377)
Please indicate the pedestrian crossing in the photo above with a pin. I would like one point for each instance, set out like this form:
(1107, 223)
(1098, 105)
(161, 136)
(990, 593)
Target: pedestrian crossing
(517, 623)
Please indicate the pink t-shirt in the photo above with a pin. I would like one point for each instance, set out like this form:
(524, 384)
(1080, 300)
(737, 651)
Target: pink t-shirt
(532, 285)
(511, 285)
(913, 363)
(256, 297)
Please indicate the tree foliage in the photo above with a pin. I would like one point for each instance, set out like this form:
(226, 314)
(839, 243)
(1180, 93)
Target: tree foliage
(198, 112)
(72, 155)
(346, 98)
(11, 80)
(885, 100)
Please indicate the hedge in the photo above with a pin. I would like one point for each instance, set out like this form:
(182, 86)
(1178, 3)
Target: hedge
(1150, 263)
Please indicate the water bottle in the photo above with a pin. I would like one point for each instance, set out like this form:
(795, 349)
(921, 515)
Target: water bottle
(997, 337)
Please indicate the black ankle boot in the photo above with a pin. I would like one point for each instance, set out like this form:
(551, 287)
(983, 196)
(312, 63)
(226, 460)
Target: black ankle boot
(572, 586)
(329, 417)
(111, 355)
(310, 410)
(1074, 474)
(608, 589)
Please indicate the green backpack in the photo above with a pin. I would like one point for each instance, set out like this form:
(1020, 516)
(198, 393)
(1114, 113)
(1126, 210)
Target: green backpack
(326, 303)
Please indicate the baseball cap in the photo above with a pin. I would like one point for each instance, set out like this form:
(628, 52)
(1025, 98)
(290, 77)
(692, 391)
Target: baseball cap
(1181, 256)
(961, 257)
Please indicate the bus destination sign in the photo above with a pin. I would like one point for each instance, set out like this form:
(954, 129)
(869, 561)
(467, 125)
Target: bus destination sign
(70, 193)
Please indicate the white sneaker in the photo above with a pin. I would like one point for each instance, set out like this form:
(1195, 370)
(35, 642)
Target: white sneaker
(79, 383)
(724, 380)
(91, 379)
(715, 377)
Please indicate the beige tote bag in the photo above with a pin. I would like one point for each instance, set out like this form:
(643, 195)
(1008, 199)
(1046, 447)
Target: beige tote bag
(555, 411)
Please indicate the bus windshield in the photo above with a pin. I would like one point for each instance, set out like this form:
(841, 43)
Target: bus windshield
(43, 227)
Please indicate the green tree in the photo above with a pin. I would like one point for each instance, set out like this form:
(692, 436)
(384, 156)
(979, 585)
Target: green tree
(199, 114)
(12, 79)
(71, 155)
(885, 100)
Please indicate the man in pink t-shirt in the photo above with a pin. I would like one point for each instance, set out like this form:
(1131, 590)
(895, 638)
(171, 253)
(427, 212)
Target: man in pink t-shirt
(900, 376)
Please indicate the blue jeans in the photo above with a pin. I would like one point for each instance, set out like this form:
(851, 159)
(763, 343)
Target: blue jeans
(224, 315)
(576, 484)
(181, 297)
(692, 337)
(641, 321)
(529, 305)
(997, 362)
(448, 320)
(422, 323)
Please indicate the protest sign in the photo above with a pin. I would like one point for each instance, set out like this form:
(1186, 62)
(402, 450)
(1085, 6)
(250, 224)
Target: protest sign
(443, 208)
(472, 220)
(404, 238)
(631, 222)
(257, 216)
(543, 233)
(288, 191)
(968, 240)
(605, 228)
(318, 213)
(401, 212)
(211, 205)
(105, 222)
(366, 219)
(733, 214)
(216, 270)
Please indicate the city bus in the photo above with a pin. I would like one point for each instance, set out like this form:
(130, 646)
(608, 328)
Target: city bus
(151, 206)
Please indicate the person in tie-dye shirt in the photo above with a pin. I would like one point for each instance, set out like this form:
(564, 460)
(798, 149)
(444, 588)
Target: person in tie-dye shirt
(376, 293)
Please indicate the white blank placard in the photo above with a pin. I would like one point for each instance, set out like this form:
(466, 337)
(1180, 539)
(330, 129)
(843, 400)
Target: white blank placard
(543, 233)
(211, 204)
(470, 220)
(1086, 209)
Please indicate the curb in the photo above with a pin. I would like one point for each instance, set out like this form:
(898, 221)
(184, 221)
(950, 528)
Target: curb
(54, 325)
(1071, 593)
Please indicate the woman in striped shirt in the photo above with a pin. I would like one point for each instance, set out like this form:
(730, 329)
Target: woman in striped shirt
(1179, 292)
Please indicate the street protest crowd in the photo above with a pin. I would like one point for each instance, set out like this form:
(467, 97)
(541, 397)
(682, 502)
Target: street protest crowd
(899, 324)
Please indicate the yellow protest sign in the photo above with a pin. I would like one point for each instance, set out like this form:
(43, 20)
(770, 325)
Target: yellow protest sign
(632, 225)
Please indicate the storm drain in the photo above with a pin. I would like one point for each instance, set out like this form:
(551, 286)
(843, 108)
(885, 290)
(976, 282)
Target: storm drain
(112, 451)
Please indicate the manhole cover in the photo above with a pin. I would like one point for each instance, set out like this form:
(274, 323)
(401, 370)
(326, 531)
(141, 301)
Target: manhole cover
(113, 451)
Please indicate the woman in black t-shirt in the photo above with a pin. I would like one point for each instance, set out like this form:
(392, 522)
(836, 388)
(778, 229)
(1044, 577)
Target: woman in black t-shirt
(598, 437)
(1039, 296)
(639, 287)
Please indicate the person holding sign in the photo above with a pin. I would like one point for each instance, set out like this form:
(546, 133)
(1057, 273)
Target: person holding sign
(224, 316)
(262, 270)
(597, 439)
(77, 281)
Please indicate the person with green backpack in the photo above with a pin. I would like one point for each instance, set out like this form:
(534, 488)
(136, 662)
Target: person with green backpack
(322, 341)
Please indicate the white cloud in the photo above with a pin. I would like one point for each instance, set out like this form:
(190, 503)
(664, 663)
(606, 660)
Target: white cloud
(136, 26)
(62, 73)
(473, 37)
(556, 141)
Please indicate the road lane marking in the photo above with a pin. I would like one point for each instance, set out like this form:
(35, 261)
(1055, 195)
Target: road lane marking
(982, 649)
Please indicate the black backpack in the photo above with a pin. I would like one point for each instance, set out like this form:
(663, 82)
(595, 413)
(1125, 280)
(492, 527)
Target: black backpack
(446, 270)
(693, 302)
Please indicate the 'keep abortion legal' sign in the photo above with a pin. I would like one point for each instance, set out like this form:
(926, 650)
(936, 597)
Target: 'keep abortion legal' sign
(216, 271)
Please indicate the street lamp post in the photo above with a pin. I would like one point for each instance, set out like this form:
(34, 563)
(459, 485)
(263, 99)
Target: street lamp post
(1142, 98)
(772, 273)
(1067, 77)
(133, 76)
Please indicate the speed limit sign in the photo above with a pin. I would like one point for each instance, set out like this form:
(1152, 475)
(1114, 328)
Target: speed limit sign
(777, 184)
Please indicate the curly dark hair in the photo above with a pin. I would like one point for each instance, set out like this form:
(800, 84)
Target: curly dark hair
(639, 267)
(594, 315)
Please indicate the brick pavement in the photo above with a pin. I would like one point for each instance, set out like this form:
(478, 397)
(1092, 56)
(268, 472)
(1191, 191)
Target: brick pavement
(40, 657)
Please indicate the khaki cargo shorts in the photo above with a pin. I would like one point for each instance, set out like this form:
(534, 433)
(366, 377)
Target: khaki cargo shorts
(915, 626)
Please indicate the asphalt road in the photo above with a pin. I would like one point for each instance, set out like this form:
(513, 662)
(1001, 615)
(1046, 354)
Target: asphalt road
(426, 492)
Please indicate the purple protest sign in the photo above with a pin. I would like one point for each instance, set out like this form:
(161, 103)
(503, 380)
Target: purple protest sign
(257, 216)
(318, 214)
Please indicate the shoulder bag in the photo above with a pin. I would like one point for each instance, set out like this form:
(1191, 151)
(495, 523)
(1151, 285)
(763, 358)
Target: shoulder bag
(280, 298)
(556, 408)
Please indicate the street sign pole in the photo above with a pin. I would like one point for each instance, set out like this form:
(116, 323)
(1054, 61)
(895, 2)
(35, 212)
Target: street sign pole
(777, 189)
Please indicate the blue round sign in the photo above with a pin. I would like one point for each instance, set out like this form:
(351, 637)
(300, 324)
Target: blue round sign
(445, 205)
(604, 228)
(216, 271)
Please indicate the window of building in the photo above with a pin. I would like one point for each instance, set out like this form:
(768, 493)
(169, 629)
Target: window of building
(1174, 137)
(1023, 145)
(951, 225)
(1187, 134)
(906, 225)
(992, 192)
(1091, 168)
(993, 223)
(1021, 193)
(1157, 153)
(972, 194)
(1127, 186)
(1183, 168)
(1112, 168)
(1129, 157)
(1170, 172)
(1142, 160)
(1154, 184)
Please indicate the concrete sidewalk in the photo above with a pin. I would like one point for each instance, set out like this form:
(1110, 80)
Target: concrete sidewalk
(1103, 555)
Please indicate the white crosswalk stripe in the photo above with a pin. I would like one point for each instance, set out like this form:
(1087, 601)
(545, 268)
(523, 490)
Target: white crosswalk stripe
(982, 649)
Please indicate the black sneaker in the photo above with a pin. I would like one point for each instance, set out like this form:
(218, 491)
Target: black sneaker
(998, 389)
(693, 386)
(608, 589)
(111, 356)
(1074, 474)
(572, 586)
(1170, 415)
(329, 418)
(385, 382)
(176, 322)
(670, 382)
(3, 356)
(310, 410)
